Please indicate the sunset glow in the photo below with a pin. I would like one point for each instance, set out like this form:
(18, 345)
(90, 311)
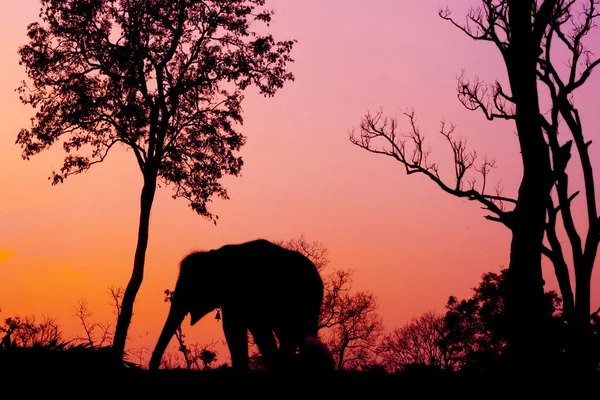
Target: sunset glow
(408, 242)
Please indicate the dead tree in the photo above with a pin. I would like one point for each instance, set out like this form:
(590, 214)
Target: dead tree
(523, 32)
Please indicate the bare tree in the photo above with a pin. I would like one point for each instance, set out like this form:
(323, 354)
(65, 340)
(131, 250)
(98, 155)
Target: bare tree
(348, 324)
(524, 31)
(163, 79)
(116, 295)
(420, 341)
(97, 334)
(570, 28)
(315, 251)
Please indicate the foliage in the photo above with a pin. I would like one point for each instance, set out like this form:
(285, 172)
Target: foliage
(476, 328)
(470, 336)
(163, 79)
(31, 345)
(27, 333)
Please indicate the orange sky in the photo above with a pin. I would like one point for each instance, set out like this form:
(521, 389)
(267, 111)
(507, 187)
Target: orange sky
(409, 243)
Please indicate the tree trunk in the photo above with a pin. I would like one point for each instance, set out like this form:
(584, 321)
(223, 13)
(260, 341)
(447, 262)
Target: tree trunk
(340, 362)
(582, 340)
(124, 318)
(525, 297)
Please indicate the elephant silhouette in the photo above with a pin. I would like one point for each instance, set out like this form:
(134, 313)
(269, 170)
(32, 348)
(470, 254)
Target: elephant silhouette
(259, 287)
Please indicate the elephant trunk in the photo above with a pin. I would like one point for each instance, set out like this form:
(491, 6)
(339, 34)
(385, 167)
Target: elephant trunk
(174, 320)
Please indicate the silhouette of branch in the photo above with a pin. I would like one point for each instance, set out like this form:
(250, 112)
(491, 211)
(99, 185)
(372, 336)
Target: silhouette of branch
(74, 165)
(487, 22)
(491, 99)
(571, 32)
(83, 314)
(420, 341)
(117, 296)
(315, 251)
(556, 256)
(183, 348)
(582, 65)
(337, 285)
(376, 127)
(350, 321)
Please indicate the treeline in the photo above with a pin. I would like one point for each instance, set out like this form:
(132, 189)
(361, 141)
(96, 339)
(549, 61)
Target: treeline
(470, 335)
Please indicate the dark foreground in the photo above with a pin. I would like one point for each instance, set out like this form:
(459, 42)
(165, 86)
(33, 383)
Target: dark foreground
(86, 377)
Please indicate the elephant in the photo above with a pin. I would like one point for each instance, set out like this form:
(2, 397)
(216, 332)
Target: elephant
(257, 286)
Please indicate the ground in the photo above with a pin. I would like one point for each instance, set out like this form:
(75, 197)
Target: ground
(87, 375)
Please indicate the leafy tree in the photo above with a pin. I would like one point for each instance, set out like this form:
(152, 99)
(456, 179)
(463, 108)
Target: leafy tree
(526, 33)
(25, 332)
(475, 329)
(471, 335)
(163, 79)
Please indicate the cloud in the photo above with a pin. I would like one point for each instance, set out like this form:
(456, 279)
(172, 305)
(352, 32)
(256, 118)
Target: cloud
(4, 254)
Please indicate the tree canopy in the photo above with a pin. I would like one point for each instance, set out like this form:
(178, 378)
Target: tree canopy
(162, 78)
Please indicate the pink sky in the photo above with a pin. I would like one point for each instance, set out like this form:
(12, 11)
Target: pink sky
(409, 242)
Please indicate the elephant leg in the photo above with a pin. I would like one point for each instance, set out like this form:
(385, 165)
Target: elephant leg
(265, 341)
(236, 335)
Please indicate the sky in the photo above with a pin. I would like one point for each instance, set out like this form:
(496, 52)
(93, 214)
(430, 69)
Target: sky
(408, 242)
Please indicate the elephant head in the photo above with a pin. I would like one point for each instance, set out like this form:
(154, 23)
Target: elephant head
(195, 293)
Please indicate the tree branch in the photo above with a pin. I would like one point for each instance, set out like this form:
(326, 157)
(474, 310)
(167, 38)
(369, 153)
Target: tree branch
(376, 127)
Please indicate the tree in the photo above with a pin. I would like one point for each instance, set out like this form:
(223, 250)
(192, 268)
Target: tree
(471, 335)
(348, 323)
(97, 333)
(315, 251)
(163, 79)
(476, 328)
(420, 341)
(25, 332)
(570, 28)
(524, 32)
